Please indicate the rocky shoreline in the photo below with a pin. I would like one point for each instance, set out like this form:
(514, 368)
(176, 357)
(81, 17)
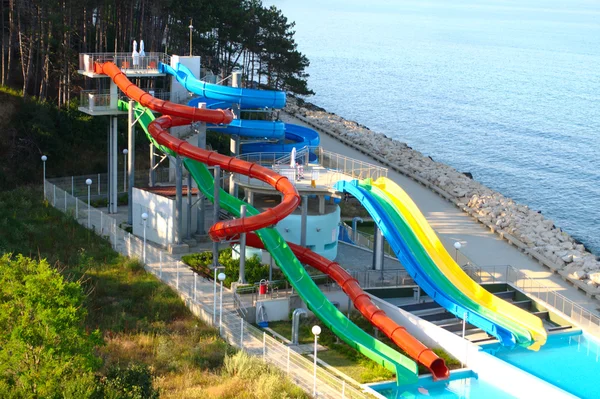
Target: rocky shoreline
(524, 227)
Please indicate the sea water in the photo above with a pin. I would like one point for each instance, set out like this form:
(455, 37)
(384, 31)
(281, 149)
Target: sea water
(507, 90)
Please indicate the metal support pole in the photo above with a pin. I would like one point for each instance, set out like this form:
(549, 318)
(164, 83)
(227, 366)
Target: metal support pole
(270, 267)
(215, 250)
(160, 265)
(241, 333)
(144, 247)
(189, 207)
(264, 345)
(44, 159)
(201, 130)
(65, 201)
(287, 369)
(178, 199)
(235, 152)
(113, 165)
(152, 173)
(98, 183)
(315, 368)
(242, 277)
(378, 250)
(221, 310)
(195, 286)
(130, 160)
(89, 207)
(73, 186)
(464, 327)
(177, 275)
(304, 220)
(54, 195)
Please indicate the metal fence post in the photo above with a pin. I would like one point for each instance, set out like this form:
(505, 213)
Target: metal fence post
(65, 201)
(195, 285)
(264, 345)
(54, 196)
(160, 265)
(177, 278)
(288, 361)
(343, 389)
(98, 183)
(72, 186)
(76, 209)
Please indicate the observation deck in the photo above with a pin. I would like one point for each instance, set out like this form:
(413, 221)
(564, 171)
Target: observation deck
(137, 67)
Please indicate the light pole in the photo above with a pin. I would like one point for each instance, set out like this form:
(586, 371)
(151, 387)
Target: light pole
(457, 246)
(191, 29)
(125, 152)
(222, 277)
(316, 330)
(144, 219)
(44, 159)
(89, 184)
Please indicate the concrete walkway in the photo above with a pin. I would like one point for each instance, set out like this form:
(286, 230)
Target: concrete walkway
(481, 246)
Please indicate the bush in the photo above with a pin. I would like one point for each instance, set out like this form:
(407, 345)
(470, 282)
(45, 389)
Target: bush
(133, 382)
(44, 348)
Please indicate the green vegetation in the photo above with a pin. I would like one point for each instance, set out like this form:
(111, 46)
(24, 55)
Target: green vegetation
(345, 358)
(255, 270)
(74, 142)
(352, 208)
(102, 327)
(367, 227)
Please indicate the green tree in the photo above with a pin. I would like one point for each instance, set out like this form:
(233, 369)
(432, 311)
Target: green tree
(45, 351)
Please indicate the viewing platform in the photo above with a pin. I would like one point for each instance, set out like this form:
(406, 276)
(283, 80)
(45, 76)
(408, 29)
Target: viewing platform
(102, 102)
(315, 172)
(138, 66)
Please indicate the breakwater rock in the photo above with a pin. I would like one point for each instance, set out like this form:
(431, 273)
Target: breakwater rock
(524, 227)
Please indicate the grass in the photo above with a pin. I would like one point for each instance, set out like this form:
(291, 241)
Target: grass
(348, 359)
(142, 321)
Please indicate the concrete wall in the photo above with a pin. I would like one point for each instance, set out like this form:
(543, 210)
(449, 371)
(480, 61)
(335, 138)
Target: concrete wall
(277, 309)
(161, 217)
(321, 232)
(489, 368)
(193, 63)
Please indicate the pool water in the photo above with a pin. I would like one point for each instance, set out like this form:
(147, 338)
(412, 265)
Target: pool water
(569, 361)
(462, 384)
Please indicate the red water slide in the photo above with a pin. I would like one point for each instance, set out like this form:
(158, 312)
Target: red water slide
(178, 115)
(398, 334)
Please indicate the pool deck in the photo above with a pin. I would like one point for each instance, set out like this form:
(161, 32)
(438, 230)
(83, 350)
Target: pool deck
(480, 245)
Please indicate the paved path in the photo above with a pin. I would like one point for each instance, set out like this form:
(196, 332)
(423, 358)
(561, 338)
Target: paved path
(480, 245)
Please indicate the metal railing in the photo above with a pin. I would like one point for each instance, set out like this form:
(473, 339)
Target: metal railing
(96, 100)
(125, 61)
(547, 295)
(382, 278)
(198, 296)
(365, 240)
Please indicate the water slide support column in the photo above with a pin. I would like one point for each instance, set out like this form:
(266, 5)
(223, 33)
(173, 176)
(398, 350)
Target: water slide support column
(377, 249)
(178, 199)
(242, 277)
(152, 177)
(113, 165)
(304, 220)
(234, 147)
(201, 129)
(131, 161)
(189, 207)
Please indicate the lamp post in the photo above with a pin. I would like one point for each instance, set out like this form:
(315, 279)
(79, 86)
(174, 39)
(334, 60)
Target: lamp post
(144, 219)
(222, 277)
(125, 152)
(44, 159)
(316, 330)
(89, 184)
(457, 246)
(191, 29)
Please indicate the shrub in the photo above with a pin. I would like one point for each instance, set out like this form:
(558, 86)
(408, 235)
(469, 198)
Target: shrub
(133, 382)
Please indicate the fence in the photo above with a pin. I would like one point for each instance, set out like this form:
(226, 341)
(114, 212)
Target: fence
(382, 278)
(506, 273)
(125, 61)
(197, 293)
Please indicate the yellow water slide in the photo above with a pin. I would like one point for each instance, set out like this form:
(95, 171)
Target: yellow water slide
(452, 271)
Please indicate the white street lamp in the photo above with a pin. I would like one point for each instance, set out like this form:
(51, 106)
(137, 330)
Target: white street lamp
(125, 152)
(316, 330)
(89, 184)
(221, 277)
(457, 246)
(44, 159)
(144, 219)
(191, 29)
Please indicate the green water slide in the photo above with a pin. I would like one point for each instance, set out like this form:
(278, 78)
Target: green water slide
(405, 369)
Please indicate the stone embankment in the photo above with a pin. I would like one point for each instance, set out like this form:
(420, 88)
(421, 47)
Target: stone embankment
(523, 227)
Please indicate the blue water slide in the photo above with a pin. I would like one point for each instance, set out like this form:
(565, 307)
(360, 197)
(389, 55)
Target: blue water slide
(295, 135)
(246, 98)
(428, 280)
(289, 136)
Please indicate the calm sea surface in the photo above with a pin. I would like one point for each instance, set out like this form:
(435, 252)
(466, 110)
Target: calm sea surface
(507, 90)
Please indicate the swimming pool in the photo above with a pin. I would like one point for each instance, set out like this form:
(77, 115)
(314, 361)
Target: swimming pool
(462, 384)
(569, 361)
